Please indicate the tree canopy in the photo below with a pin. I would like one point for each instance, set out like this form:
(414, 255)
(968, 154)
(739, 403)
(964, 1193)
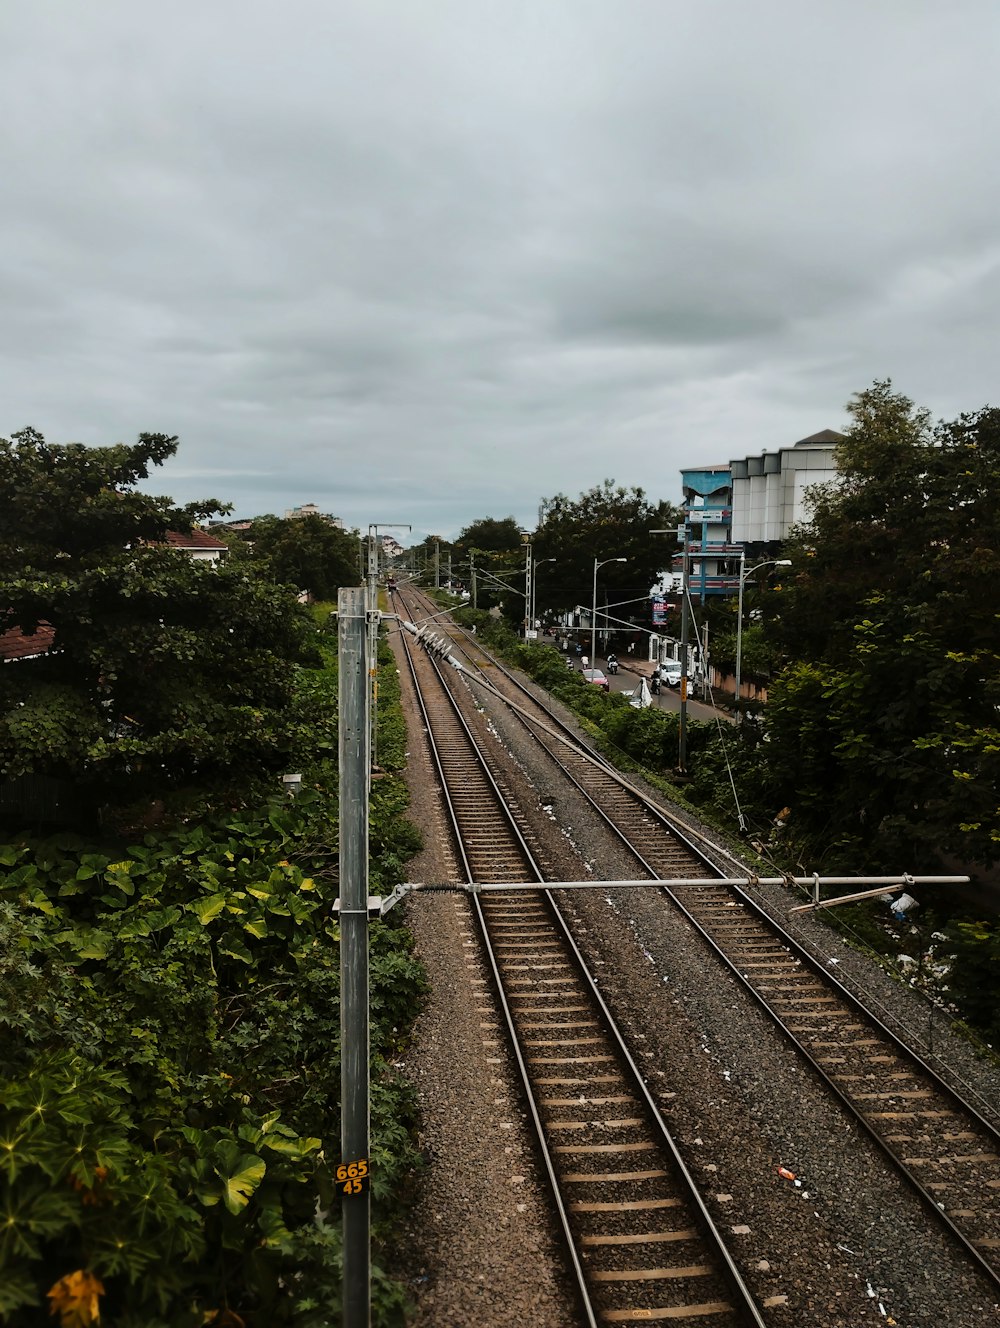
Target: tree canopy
(605, 522)
(489, 535)
(883, 727)
(308, 553)
(162, 671)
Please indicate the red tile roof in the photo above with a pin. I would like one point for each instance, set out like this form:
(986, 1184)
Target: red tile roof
(197, 539)
(16, 645)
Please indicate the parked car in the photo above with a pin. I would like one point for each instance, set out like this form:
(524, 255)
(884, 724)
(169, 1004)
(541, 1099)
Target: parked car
(670, 672)
(596, 676)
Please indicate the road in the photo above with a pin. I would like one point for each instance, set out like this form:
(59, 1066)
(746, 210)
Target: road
(627, 679)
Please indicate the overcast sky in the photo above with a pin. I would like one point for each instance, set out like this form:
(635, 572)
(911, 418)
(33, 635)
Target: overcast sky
(432, 260)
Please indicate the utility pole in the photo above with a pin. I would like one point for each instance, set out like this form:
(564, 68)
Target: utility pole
(472, 575)
(705, 689)
(526, 538)
(437, 564)
(371, 606)
(682, 716)
(355, 775)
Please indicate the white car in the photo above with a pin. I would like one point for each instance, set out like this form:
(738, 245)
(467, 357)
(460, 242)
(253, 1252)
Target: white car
(670, 672)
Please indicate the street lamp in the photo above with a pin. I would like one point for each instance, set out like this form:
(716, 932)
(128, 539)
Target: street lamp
(534, 585)
(593, 611)
(770, 562)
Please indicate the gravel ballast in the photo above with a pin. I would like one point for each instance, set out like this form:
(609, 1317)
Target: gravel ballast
(844, 1243)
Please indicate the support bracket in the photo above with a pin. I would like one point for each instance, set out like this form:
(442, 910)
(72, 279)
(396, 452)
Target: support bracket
(378, 906)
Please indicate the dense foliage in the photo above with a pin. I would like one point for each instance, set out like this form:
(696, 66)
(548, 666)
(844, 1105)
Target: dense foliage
(169, 1031)
(605, 522)
(163, 672)
(307, 553)
(882, 730)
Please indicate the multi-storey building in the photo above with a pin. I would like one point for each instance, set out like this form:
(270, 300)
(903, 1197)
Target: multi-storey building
(708, 519)
(769, 490)
(748, 507)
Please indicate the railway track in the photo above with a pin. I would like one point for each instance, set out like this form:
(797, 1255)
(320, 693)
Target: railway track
(943, 1144)
(641, 1243)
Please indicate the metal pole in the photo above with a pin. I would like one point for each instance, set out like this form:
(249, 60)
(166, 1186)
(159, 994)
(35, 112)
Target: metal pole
(739, 635)
(682, 716)
(354, 695)
(437, 564)
(769, 562)
(372, 611)
(527, 587)
(593, 609)
(534, 587)
(705, 689)
(472, 566)
(593, 620)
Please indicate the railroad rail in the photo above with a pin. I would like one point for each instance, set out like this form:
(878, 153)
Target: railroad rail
(946, 1148)
(641, 1243)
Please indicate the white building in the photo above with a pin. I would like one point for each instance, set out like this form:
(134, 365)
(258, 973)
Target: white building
(199, 545)
(768, 494)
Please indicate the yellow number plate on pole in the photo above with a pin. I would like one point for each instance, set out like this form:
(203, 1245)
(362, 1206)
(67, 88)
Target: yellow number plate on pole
(353, 1177)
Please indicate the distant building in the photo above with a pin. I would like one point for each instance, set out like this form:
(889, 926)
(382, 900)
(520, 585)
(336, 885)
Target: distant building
(748, 507)
(199, 545)
(237, 527)
(708, 519)
(310, 509)
(768, 490)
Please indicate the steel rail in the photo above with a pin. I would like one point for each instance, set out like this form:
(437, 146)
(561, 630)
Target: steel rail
(569, 1241)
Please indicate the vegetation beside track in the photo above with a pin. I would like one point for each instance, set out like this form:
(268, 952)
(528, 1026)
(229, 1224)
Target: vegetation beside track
(169, 1027)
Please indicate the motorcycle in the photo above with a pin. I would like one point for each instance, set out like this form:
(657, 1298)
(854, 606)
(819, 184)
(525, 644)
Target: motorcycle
(612, 664)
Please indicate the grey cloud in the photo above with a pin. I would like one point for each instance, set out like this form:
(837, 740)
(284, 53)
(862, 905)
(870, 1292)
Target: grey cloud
(454, 257)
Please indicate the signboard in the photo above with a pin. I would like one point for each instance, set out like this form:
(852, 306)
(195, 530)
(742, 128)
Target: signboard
(709, 516)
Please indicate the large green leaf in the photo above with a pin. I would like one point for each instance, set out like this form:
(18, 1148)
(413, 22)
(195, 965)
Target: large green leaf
(208, 908)
(240, 1174)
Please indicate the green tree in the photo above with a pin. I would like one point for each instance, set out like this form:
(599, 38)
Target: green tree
(162, 671)
(489, 535)
(883, 730)
(421, 557)
(495, 549)
(307, 553)
(605, 522)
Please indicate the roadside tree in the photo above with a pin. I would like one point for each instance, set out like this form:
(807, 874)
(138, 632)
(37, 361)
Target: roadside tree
(883, 731)
(605, 522)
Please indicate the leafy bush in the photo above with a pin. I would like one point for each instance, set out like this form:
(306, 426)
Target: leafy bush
(169, 1028)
